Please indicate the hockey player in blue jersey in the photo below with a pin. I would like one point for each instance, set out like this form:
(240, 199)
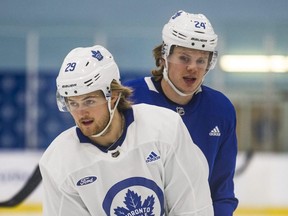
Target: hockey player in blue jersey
(183, 60)
(119, 159)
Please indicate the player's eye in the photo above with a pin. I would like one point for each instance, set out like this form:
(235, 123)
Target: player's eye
(201, 61)
(184, 59)
(90, 102)
(73, 105)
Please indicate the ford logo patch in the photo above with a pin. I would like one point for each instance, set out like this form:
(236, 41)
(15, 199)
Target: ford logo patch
(86, 180)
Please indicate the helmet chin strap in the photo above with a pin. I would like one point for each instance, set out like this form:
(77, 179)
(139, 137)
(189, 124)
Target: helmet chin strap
(111, 111)
(165, 75)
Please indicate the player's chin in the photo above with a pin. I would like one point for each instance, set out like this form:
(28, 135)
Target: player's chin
(87, 131)
(189, 90)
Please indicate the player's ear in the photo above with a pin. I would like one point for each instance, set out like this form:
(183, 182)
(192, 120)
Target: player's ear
(160, 62)
(114, 97)
(163, 64)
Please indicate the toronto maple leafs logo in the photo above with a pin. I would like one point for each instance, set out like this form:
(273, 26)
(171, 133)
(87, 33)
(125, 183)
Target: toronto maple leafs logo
(134, 205)
(97, 54)
(134, 196)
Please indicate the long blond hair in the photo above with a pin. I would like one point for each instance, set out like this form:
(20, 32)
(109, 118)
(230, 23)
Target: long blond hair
(158, 72)
(126, 92)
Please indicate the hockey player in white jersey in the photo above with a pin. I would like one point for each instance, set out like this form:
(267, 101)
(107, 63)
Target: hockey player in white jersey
(119, 159)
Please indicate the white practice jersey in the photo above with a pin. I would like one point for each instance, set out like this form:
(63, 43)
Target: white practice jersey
(153, 169)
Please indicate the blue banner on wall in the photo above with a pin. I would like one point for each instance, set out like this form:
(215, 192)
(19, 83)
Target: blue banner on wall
(14, 110)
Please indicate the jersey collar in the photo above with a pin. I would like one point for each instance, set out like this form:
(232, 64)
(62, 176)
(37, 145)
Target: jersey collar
(129, 118)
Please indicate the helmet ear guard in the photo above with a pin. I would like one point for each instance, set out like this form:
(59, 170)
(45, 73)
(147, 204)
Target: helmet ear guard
(61, 103)
(213, 60)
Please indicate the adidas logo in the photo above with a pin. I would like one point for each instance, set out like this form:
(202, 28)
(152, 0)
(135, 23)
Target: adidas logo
(152, 157)
(215, 132)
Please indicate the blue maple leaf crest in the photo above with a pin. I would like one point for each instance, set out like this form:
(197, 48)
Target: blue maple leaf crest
(134, 205)
(97, 54)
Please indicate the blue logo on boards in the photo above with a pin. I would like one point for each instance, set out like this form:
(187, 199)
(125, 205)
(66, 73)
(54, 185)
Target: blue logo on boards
(97, 54)
(133, 203)
(86, 180)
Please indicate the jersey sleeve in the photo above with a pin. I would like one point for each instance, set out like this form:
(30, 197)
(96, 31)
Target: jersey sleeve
(221, 182)
(186, 177)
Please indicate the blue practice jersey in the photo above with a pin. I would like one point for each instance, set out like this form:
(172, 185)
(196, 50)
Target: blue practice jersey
(211, 120)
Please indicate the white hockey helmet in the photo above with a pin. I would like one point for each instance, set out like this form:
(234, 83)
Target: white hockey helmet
(85, 70)
(191, 31)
